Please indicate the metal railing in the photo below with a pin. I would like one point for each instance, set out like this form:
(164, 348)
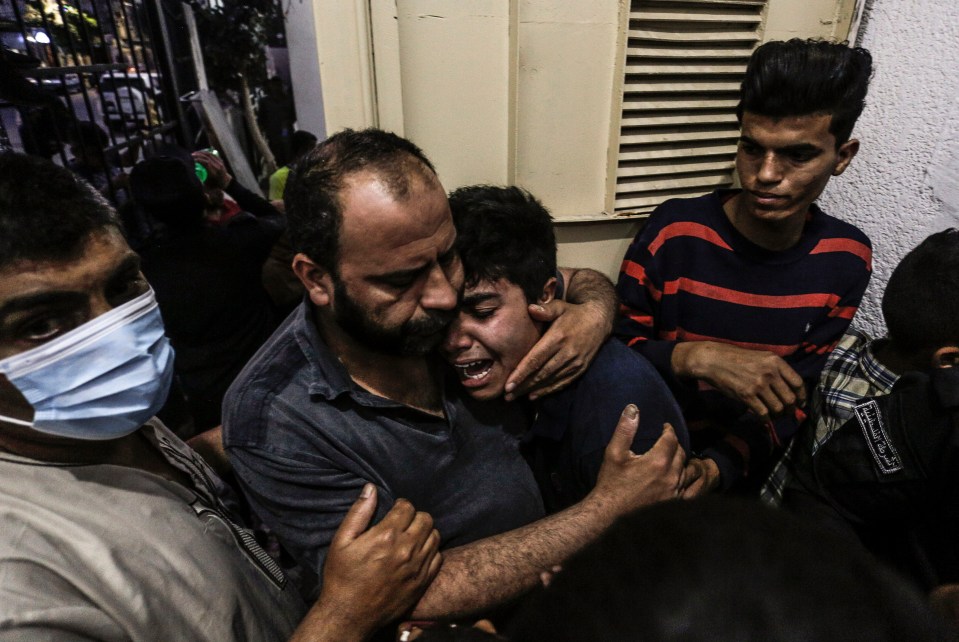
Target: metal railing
(92, 84)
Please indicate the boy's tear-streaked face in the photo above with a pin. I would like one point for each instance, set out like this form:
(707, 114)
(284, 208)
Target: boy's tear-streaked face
(490, 336)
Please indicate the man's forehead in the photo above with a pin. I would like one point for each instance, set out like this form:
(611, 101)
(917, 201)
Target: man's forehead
(810, 128)
(376, 221)
(396, 183)
(100, 255)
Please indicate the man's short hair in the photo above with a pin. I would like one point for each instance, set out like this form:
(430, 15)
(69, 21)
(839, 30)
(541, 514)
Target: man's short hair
(719, 568)
(301, 142)
(312, 197)
(921, 301)
(504, 233)
(805, 77)
(47, 213)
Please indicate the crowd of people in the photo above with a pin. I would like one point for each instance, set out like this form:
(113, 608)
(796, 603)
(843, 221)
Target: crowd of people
(404, 416)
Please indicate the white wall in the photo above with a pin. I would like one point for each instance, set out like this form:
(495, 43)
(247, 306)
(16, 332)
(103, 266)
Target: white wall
(904, 184)
(304, 63)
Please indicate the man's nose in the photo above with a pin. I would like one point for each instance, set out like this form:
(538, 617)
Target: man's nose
(457, 339)
(770, 170)
(439, 293)
(99, 304)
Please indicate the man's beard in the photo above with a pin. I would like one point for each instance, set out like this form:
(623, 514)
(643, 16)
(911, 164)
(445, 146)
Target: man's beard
(415, 337)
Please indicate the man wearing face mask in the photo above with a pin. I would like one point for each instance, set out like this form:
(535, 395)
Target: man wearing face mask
(110, 526)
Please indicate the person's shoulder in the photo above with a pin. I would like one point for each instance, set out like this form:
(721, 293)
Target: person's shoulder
(680, 221)
(618, 367)
(271, 375)
(697, 209)
(835, 228)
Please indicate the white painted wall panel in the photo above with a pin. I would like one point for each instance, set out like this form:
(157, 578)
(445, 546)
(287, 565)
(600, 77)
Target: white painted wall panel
(902, 185)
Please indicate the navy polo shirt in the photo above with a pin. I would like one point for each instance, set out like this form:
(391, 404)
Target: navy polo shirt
(304, 439)
(573, 426)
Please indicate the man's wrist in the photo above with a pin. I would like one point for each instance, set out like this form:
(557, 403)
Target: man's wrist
(600, 508)
(333, 620)
(604, 315)
(681, 359)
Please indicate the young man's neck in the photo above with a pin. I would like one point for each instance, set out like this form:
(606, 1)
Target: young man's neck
(774, 235)
(409, 380)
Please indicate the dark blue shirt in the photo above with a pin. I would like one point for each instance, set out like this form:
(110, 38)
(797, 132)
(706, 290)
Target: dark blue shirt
(304, 439)
(574, 425)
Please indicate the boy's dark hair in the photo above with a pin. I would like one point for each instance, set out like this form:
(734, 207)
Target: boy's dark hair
(921, 301)
(504, 233)
(804, 77)
(47, 213)
(301, 142)
(760, 574)
(313, 209)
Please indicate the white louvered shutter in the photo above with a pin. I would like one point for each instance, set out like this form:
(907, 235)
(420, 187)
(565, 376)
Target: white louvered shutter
(684, 62)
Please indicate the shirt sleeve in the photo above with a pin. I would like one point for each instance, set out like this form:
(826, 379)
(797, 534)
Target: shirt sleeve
(640, 288)
(303, 501)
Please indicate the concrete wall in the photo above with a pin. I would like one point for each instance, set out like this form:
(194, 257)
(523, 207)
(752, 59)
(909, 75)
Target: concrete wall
(601, 245)
(498, 91)
(304, 62)
(904, 184)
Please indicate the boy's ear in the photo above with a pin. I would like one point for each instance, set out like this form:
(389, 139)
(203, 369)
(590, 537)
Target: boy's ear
(946, 357)
(549, 291)
(317, 280)
(844, 155)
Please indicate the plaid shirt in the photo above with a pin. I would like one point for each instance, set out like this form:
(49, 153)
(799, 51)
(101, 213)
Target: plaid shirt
(851, 373)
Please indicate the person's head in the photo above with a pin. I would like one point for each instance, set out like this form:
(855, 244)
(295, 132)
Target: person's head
(63, 262)
(717, 568)
(506, 242)
(798, 103)
(87, 141)
(921, 302)
(806, 78)
(374, 238)
(301, 142)
(167, 188)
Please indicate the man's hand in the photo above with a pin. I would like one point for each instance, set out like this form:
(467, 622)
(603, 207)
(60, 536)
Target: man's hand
(572, 340)
(628, 481)
(702, 476)
(374, 577)
(218, 176)
(563, 353)
(761, 380)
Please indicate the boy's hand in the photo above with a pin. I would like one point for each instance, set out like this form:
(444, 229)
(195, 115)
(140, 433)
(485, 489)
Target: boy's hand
(702, 476)
(761, 380)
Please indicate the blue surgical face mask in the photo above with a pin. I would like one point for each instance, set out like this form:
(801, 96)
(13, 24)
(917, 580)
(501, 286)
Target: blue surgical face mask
(99, 381)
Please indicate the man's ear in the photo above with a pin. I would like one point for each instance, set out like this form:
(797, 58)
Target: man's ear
(317, 280)
(549, 291)
(946, 357)
(844, 155)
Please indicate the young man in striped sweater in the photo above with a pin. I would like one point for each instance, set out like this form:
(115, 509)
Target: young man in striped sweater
(739, 295)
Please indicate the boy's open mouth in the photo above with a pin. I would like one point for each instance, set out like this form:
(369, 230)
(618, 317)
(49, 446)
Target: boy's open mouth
(474, 369)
